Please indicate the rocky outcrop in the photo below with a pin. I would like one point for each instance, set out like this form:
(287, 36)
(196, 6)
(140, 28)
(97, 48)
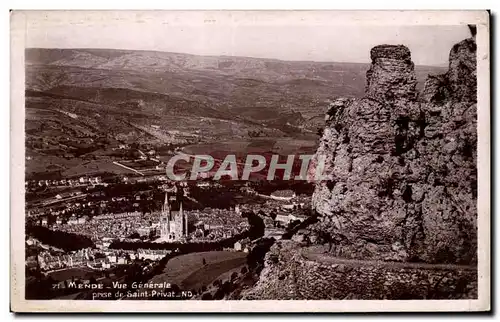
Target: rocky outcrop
(401, 181)
(290, 275)
(401, 171)
(391, 75)
(459, 84)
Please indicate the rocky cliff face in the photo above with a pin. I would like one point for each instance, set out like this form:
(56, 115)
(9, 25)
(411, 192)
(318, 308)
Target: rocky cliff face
(401, 170)
(401, 178)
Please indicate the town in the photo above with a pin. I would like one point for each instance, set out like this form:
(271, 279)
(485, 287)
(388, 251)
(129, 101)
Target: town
(90, 226)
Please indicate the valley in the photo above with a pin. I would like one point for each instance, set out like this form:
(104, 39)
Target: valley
(82, 104)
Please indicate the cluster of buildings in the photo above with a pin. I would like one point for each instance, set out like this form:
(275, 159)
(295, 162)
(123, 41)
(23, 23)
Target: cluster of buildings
(206, 225)
(172, 224)
(47, 261)
(283, 195)
(70, 212)
(146, 179)
(101, 227)
(215, 224)
(244, 245)
(64, 182)
(152, 254)
(73, 220)
(95, 259)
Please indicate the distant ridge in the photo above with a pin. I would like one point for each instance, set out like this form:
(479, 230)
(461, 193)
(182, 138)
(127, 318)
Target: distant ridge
(109, 52)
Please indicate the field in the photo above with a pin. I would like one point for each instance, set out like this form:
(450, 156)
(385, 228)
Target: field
(241, 148)
(188, 271)
(47, 163)
(207, 274)
(76, 272)
(90, 168)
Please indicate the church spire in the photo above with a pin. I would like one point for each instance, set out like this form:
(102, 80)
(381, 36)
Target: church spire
(166, 205)
(165, 217)
(184, 220)
(165, 202)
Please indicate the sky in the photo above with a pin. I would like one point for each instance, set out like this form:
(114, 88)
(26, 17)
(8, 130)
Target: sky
(287, 40)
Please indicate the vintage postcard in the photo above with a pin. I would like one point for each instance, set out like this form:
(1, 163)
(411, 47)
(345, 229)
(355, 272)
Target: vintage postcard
(250, 161)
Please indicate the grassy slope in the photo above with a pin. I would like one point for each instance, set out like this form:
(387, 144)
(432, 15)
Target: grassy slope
(189, 268)
(78, 272)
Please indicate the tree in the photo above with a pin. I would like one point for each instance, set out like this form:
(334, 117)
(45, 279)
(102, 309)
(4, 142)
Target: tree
(226, 287)
(219, 294)
(175, 288)
(204, 262)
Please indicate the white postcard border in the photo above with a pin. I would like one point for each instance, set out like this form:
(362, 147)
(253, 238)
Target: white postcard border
(19, 19)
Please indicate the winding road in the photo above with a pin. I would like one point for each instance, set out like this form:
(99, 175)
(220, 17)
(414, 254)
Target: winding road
(317, 256)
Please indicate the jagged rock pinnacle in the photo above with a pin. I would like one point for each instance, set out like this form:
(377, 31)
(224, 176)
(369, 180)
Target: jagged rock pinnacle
(391, 75)
(398, 52)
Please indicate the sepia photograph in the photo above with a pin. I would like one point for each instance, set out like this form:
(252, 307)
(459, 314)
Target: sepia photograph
(227, 160)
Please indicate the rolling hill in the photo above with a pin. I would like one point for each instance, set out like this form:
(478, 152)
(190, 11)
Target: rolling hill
(79, 101)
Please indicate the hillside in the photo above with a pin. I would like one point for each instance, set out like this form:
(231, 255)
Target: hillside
(82, 101)
(236, 84)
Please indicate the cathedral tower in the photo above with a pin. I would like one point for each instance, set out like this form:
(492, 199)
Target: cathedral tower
(165, 218)
(184, 217)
